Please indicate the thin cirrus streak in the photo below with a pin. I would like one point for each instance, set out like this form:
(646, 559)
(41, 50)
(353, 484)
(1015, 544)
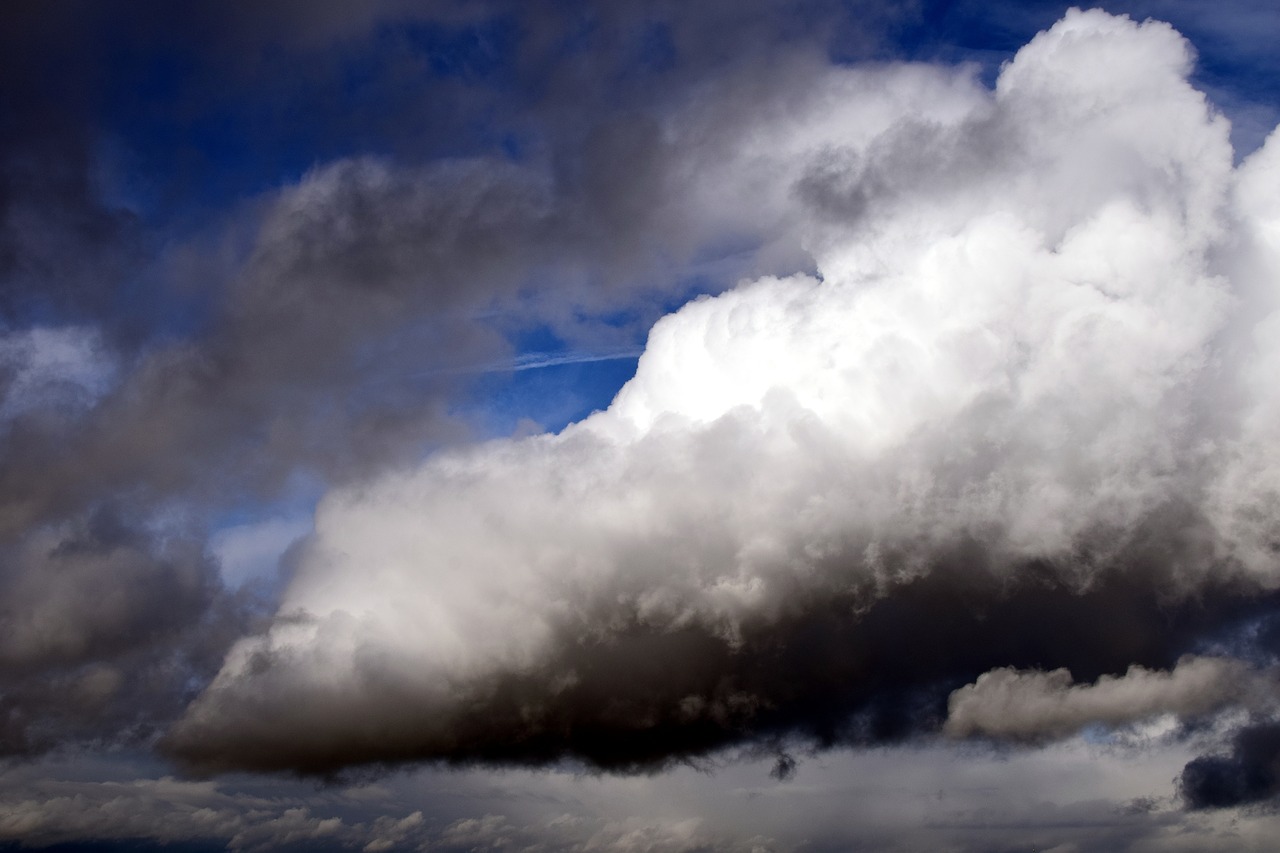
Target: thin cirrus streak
(1023, 419)
(539, 361)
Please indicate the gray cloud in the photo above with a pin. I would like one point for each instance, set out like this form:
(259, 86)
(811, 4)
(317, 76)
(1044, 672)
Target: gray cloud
(1094, 798)
(340, 314)
(1248, 774)
(1033, 705)
(1007, 426)
(1025, 419)
(171, 811)
(107, 625)
(176, 812)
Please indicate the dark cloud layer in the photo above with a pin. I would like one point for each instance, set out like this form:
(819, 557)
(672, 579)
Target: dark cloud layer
(1249, 773)
(634, 696)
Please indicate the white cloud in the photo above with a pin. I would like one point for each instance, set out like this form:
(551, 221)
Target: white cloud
(1027, 302)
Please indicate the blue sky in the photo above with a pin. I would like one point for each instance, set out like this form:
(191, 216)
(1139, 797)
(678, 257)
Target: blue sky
(481, 425)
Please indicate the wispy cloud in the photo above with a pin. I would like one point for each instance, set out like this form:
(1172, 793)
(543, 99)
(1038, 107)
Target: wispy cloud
(539, 360)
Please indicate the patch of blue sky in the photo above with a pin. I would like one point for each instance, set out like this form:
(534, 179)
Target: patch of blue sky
(544, 392)
(1254, 638)
(251, 535)
(296, 498)
(651, 51)
(1097, 734)
(219, 135)
(251, 552)
(962, 31)
(558, 374)
(548, 381)
(475, 51)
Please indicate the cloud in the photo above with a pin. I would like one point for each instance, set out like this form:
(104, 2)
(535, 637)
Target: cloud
(1249, 773)
(54, 368)
(170, 811)
(163, 364)
(1008, 423)
(922, 796)
(1032, 705)
(1000, 370)
(106, 626)
(251, 552)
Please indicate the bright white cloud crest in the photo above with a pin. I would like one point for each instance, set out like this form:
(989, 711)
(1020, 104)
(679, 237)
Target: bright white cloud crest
(1030, 331)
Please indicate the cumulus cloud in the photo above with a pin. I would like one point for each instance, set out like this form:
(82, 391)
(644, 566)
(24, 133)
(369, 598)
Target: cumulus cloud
(1032, 705)
(1018, 418)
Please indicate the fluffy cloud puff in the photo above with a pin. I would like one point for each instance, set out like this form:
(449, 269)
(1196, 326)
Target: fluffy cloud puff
(1005, 703)
(1020, 417)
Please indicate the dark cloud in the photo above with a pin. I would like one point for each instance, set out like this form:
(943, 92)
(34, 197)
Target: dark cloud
(784, 769)
(107, 626)
(63, 247)
(822, 506)
(1248, 774)
(618, 694)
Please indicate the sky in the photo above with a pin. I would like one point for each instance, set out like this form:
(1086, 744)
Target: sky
(781, 425)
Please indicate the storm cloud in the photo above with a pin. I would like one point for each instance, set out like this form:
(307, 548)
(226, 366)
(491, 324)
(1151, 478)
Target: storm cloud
(1018, 417)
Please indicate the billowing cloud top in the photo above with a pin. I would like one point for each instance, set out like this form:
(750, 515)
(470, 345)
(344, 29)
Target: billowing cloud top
(1024, 415)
